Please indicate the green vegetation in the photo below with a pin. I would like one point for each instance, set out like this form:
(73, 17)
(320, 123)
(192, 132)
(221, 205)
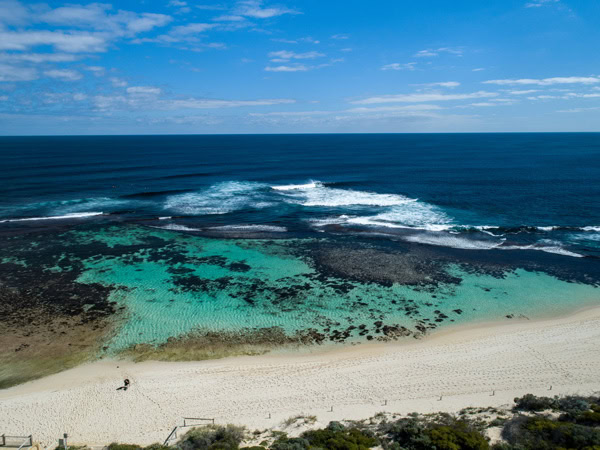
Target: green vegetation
(441, 432)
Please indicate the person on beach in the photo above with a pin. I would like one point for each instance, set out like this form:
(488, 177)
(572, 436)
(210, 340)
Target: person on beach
(125, 385)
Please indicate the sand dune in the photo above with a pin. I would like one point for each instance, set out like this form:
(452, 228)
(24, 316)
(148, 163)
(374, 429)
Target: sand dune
(463, 365)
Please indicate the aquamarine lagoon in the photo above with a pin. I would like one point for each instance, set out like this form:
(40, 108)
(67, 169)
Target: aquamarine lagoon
(166, 283)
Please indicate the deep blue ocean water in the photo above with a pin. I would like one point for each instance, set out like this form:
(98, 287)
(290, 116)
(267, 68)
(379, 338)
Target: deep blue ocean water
(539, 191)
(342, 234)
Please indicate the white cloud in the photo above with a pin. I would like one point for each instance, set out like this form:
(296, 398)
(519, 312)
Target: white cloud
(425, 97)
(13, 12)
(70, 42)
(478, 69)
(306, 39)
(193, 103)
(523, 92)
(143, 90)
(294, 68)
(284, 55)
(14, 73)
(398, 66)
(3, 98)
(363, 109)
(448, 84)
(340, 36)
(150, 98)
(97, 16)
(254, 9)
(118, 82)
(96, 70)
(538, 3)
(435, 52)
(545, 81)
(63, 74)
(101, 23)
(229, 18)
(192, 28)
(578, 110)
(39, 57)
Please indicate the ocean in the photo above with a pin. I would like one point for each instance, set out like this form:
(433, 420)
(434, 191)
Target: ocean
(333, 238)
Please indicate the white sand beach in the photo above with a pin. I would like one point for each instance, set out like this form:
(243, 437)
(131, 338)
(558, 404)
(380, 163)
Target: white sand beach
(464, 366)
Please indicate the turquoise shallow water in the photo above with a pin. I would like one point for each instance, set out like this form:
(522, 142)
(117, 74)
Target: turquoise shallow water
(191, 282)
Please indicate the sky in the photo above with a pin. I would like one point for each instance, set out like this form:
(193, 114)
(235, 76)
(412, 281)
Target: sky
(299, 66)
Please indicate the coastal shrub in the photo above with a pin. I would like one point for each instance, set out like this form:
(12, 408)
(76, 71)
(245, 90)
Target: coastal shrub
(155, 446)
(443, 433)
(337, 437)
(116, 446)
(572, 405)
(212, 437)
(457, 437)
(530, 402)
(285, 443)
(545, 433)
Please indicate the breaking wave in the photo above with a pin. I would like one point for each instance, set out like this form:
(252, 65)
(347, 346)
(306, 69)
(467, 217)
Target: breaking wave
(221, 198)
(317, 194)
(63, 217)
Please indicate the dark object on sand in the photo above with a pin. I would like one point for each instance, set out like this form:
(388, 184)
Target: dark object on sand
(125, 385)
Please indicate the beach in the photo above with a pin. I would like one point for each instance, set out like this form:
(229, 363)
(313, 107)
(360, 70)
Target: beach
(472, 365)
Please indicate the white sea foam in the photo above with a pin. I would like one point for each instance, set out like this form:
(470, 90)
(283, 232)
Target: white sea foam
(165, 218)
(62, 217)
(591, 229)
(317, 194)
(87, 204)
(450, 240)
(177, 227)
(545, 245)
(268, 228)
(221, 198)
(290, 187)
(410, 215)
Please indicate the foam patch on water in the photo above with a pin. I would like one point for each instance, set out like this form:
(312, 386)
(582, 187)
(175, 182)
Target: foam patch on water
(63, 217)
(545, 245)
(60, 208)
(317, 194)
(290, 187)
(450, 240)
(410, 215)
(268, 228)
(177, 227)
(221, 198)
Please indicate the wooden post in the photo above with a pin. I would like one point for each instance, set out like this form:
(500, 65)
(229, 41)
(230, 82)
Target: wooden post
(3, 440)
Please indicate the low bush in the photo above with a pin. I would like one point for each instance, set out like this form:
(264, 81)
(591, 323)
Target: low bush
(337, 437)
(116, 446)
(211, 437)
(544, 433)
(443, 433)
(530, 402)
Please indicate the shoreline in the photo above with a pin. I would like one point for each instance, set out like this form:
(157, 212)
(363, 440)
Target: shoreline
(463, 364)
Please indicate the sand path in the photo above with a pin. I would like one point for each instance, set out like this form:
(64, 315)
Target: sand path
(463, 365)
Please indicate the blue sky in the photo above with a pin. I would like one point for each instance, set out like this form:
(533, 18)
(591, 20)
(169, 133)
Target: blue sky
(251, 66)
